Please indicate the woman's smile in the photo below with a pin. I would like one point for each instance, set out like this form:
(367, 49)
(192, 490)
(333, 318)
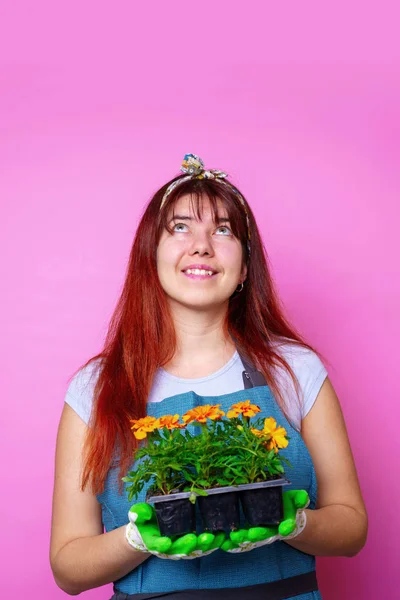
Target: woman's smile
(199, 272)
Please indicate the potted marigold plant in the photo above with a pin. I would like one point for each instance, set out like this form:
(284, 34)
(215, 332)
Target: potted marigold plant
(257, 467)
(212, 458)
(206, 454)
(160, 462)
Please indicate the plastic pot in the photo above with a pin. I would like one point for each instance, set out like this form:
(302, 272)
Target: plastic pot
(262, 502)
(175, 516)
(219, 511)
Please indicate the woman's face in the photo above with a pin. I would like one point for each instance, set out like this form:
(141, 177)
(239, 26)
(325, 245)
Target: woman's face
(200, 263)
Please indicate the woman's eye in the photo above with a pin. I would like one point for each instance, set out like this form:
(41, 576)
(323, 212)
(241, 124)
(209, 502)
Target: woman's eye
(223, 230)
(180, 227)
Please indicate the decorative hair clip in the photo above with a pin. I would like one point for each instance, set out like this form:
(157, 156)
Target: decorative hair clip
(194, 167)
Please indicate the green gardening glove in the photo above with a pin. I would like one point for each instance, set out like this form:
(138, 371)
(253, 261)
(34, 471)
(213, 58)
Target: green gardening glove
(294, 521)
(143, 533)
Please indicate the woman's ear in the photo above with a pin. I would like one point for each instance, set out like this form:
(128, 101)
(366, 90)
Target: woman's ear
(243, 274)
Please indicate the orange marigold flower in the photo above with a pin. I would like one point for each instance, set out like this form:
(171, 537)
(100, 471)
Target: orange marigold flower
(274, 435)
(243, 408)
(202, 413)
(143, 426)
(169, 421)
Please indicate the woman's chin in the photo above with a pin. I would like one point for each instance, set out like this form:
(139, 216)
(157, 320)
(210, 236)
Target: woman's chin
(200, 303)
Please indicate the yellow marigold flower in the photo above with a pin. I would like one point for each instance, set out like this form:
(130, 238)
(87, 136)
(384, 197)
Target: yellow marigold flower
(278, 440)
(143, 426)
(274, 435)
(169, 421)
(202, 413)
(243, 408)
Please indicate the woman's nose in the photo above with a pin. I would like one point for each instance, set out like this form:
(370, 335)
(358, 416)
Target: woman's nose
(201, 244)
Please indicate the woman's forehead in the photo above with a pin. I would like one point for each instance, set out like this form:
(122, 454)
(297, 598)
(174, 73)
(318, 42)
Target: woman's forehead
(198, 207)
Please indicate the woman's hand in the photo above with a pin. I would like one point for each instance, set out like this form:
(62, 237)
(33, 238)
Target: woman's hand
(143, 534)
(294, 522)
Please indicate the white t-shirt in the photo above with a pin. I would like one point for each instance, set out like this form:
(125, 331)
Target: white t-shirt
(305, 364)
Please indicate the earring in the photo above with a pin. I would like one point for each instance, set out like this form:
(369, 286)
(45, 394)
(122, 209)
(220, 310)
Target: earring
(240, 284)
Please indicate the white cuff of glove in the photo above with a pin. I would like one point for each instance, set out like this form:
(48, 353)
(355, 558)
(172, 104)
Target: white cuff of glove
(134, 538)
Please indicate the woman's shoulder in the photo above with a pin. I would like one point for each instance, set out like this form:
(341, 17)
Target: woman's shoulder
(298, 356)
(79, 394)
(308, 369)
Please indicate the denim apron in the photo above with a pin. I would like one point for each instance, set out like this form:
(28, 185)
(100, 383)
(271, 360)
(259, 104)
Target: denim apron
(271, 572)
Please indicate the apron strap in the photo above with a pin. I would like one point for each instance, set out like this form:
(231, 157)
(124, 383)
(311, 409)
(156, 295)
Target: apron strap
(251, 377)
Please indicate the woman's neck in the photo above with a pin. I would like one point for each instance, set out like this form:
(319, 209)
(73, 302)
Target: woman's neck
(202, 344)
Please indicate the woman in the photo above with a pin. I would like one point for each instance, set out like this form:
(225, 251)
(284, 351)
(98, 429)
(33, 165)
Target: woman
(198, 312)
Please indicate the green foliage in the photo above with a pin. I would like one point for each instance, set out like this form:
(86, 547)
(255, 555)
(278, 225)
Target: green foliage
(247, 459)
(221, 452)
(159, 461)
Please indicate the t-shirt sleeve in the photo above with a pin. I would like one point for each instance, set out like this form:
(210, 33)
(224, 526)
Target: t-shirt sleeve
(79, 394)
(310, 373)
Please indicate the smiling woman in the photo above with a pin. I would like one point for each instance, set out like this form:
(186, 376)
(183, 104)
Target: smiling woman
(199, 327)
(193, 237)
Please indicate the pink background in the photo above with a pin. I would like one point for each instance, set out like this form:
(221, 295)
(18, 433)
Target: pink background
(98, 104)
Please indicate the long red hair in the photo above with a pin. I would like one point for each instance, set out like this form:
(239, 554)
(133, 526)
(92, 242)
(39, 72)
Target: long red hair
(141, 335)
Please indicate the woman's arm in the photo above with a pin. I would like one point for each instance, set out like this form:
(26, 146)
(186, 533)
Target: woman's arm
(81, 555)
(338, 526)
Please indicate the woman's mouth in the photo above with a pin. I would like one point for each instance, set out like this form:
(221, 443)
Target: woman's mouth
(199, 273)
